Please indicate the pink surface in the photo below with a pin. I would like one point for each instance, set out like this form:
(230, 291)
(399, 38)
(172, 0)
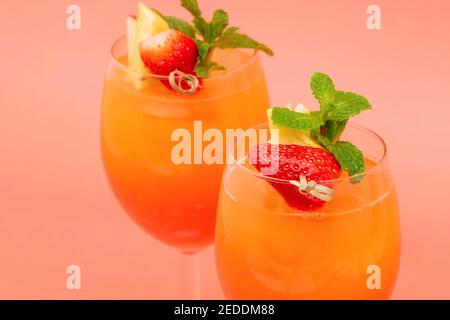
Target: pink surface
(56, 208)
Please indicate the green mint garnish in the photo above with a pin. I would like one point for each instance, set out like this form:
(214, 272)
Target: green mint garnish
(346, 105)
(336, 107)
(328, 124)
(350, 158)
(218, 24)
(323, 89)
(294, 120)
(211, 35)
(334, 129)
(348, 155)
(232, 39)
(180, 25)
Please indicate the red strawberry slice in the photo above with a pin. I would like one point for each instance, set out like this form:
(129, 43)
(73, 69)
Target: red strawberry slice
(169, 51)
(292, 161)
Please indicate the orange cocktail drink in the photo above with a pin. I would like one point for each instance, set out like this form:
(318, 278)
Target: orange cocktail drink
(174, 203)
(348, 249)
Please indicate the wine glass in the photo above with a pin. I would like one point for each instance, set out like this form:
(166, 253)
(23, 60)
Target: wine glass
(172, 201)
(349, 249)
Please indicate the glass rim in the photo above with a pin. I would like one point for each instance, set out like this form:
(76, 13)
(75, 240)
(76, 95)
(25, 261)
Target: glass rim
(226, 73)
(357, 177)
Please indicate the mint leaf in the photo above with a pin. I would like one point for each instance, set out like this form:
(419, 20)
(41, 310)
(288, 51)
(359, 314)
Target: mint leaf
(349, 156)
(229, 31)
(239, 40)
(290, 119)
(200, 24)
(202, 28)
(347, 105)
(324, 141)
(323, 90)
(180, 25)
(218, 24)
(193, 7)
(203, 49)
(334, 129)
(204, 68)
(316, 114)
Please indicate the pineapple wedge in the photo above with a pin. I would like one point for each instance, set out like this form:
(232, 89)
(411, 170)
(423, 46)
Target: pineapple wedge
(147, 24)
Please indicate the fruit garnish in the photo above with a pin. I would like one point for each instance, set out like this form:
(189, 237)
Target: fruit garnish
(185, 52)
(169, 51)
(311, 152)
(301, 166)
(131, 40)
(147, 24)
(210, 35)
(327, 125)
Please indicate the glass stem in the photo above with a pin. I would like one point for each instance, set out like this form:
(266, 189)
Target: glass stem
(190, 276)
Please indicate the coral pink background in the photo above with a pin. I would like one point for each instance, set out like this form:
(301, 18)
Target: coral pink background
(56, 208)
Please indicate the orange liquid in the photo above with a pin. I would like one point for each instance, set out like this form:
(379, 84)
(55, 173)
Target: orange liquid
(175, 203)
(264, 250)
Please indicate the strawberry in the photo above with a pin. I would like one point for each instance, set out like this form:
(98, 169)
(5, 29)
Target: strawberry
(314, 164)
(169, 51)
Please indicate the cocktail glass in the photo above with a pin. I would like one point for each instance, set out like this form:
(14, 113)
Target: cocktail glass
(349, 249)
(175, 203)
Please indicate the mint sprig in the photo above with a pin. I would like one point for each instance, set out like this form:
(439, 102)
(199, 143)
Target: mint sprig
(328, 124)
(336, 108)
(210, 35)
